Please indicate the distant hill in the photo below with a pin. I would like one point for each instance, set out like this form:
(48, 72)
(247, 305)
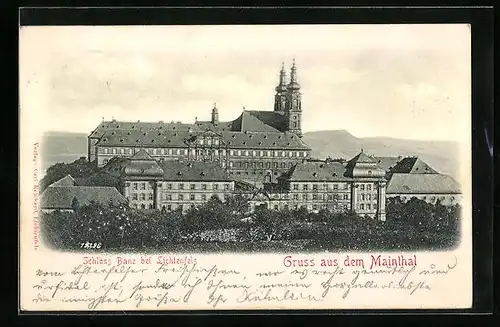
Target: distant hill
(67, 147)
(441, 155)
(62, 147)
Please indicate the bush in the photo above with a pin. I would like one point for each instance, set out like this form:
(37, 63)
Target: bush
(215, 223)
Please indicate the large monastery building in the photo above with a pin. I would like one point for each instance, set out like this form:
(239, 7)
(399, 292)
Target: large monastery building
(260, 155)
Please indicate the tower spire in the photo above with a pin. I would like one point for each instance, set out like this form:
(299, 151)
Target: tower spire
(281, 89)
(215, 115)
(294, 84)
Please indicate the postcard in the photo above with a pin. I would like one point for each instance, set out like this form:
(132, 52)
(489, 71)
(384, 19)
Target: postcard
(245, 167)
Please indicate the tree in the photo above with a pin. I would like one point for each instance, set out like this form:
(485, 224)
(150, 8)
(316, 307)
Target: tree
(79, 168)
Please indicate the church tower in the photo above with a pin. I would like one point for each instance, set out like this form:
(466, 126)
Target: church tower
(281, 92)
(294, 103)
(215, 115)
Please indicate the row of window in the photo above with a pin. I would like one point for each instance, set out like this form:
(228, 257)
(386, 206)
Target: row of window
(320, 197)
(341, 207)
(260, 164)
(367, 206)
(168, 207)
(367, 197)
(368, 187)
(428, 198)
(324, 187)
(172, 197)
(201, 152)
(208, 141)
(179, 186)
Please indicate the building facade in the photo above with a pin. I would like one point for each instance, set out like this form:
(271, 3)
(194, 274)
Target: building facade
(256, 147)
(169, 185)
(411, 178)
(357, 185)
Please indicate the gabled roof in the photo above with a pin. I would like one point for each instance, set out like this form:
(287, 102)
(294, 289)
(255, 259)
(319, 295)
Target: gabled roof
(413, 165)
(128, 138)
(361, 158)
(141, 155)
(387, 163)
(207, 125)
(317, 171)
(114, 125)
(193, 171)
(363, 166)
(400, 183)
(61, 197)
(275, 120)
(170, 139)
(68, 180)
(270, 140)
(170, 170)
(250, 121)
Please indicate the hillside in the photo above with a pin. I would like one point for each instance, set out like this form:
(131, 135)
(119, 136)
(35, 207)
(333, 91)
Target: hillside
(442, 155)
(67, 147)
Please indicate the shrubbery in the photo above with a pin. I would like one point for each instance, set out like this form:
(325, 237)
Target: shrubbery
(217, 226)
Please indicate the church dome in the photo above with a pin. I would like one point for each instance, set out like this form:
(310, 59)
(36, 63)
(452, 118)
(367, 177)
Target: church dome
(294, 86)
(281, 88)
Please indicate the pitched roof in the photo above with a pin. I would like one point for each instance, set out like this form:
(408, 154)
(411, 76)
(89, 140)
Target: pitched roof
(362, 158)
(193, 171)
(270, 119)
(413, 165)
(317, 171)
(270, 140)
(136, 138)
(68, 180)
(170, 139)
(114, 125)
(61, 197)
(249, 120)
(171, 170)
(422, 184)
(363, 166)
(141, 155)
(207, 125)
(101, 178)
(386, 163)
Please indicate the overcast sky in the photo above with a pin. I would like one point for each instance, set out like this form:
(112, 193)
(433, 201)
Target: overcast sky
(405, 81)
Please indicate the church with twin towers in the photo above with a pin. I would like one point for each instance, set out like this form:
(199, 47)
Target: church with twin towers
(256, 147)
(261, 155)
